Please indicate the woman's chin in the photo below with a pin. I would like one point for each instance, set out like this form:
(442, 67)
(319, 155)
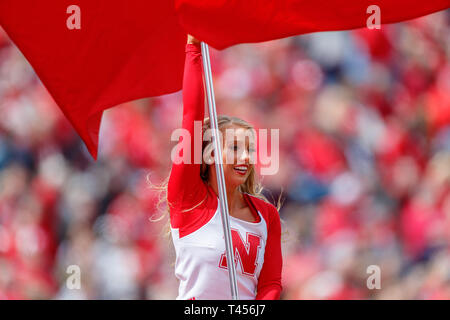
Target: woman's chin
(236, 181)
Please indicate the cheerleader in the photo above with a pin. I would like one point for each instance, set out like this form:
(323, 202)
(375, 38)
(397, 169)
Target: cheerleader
(195, 220)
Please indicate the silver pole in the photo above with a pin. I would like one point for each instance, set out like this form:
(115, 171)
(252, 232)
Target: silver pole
(223, 203)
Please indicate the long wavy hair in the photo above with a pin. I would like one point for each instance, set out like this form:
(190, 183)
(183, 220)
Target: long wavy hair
(252, 185)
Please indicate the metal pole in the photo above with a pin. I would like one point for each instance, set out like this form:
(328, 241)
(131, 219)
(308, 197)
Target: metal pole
(223, 203)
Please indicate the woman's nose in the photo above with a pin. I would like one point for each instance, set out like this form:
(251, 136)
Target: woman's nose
(244, 156)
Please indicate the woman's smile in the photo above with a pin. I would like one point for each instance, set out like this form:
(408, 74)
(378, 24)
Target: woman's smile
(241, 169)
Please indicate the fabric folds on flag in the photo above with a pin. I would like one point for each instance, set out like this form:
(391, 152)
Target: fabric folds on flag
(122, 51)
(223, 23)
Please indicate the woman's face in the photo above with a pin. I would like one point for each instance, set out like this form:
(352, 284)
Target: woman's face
(238, 153)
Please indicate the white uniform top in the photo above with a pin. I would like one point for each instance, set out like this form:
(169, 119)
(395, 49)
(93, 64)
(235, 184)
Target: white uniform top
(201, 262)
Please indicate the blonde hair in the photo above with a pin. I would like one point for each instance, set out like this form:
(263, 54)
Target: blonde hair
(252, 185)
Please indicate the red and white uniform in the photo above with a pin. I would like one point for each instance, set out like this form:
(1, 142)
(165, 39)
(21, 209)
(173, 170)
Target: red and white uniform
(201, 264)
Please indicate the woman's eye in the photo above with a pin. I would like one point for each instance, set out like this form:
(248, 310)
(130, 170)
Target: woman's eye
(237, 148)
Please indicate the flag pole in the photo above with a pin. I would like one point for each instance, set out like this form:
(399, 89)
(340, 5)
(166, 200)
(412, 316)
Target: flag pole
(223, 203)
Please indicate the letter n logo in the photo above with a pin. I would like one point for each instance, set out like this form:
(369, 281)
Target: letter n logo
(246, 253)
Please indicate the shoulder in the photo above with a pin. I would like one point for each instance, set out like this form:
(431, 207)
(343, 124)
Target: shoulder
(268, 210)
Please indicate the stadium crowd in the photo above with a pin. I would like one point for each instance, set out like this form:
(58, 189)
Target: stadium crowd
(364, 127)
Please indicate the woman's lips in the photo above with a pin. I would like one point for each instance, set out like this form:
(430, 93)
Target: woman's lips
(241, 169)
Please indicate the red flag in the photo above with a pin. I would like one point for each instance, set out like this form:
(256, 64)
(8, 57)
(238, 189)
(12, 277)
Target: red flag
(93, 55)
(223, 23)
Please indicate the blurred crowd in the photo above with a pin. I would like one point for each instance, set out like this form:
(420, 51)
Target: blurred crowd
(364, 174)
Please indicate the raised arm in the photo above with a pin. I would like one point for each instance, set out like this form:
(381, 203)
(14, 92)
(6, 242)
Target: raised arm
(185, 188)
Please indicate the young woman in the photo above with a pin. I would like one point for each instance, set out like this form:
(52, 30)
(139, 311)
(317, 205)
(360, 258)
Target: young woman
(195, 221)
